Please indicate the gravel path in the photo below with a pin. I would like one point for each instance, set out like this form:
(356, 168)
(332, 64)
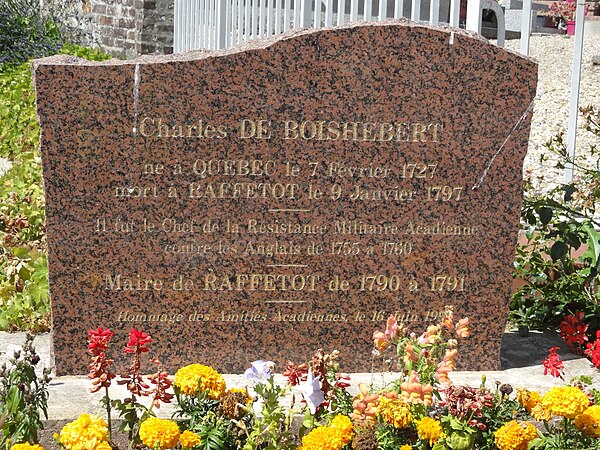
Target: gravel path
(551, 113)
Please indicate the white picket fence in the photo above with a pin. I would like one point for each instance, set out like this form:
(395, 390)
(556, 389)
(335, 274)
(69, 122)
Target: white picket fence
(215, 24)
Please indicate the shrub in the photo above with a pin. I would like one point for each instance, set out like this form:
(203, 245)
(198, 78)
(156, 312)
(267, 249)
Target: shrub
(26, 32)
(23, 268)
(556, 225)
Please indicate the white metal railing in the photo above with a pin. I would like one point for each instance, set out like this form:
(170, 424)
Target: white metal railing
(214, 24)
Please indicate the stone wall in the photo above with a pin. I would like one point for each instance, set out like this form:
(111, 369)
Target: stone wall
(122, 28)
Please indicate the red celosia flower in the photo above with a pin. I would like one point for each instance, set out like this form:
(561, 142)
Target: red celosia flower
(163, 382)
(593, 351)
(98, 340)
(137, 342)
(553, 364)
(99, 367)
(342, 381)
(573, 330)
(99, 372)
(295, 373)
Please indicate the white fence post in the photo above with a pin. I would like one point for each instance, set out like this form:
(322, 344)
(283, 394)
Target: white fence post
(306, 12)
(474, 15)
(415, 10)
(434, 11)
(525, 27)
(574, 108)
(454, 13)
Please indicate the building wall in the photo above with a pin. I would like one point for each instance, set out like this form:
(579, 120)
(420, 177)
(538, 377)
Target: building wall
(122, 28)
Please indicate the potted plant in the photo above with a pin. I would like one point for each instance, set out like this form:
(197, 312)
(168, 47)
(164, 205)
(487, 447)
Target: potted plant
(564, 12)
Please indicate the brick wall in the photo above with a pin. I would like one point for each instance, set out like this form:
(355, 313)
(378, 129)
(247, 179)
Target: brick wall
(122, 28)
(157, 27)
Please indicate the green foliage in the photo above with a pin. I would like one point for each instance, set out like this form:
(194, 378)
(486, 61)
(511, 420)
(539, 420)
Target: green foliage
(18, 127)
(272, 428)
(90, 54)
(23, 268)
(22, 396)
(26, 32)
(557, 225)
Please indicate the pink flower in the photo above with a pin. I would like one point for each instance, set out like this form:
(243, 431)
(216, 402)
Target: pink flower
(365, 404)
(384, 340)
(447, 365)
(381, 341)
(462, 328)
(391, 328)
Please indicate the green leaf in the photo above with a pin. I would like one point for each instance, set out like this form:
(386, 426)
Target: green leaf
(558, 250)
(545, 214)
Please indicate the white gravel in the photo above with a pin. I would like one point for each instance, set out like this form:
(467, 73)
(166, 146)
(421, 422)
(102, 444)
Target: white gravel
(551, 112)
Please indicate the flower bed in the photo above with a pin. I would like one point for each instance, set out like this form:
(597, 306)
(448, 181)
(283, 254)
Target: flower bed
(420, 409)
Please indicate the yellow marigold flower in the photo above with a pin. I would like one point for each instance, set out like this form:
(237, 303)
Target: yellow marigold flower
(429, 430)
(242, 391)
(199, 378)
(514, 435)
(162, 433)
(344, 426)
(91, 431)
(394, 412)
(322, 438)
(26, 446)
(104, 445)
(406, 447)
(539, 413)
(528, 399)
(565, 401)
(189, 439)
(589, 421)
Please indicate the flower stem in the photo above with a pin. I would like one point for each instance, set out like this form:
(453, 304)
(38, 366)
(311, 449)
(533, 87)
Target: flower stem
(109, 420)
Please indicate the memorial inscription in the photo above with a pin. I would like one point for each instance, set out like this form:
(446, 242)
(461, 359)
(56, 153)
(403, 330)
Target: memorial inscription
(265, 201)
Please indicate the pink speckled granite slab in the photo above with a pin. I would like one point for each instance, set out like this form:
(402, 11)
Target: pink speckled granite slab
(266, 201)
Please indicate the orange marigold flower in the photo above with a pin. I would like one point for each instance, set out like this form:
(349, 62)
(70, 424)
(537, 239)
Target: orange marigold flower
(344, 426)
(200, 378)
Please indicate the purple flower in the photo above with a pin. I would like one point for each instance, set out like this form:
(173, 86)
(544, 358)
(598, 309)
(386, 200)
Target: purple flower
(312, 393)
(259, 371)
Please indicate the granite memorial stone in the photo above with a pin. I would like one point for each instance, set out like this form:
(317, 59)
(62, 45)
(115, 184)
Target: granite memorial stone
(264, 201)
